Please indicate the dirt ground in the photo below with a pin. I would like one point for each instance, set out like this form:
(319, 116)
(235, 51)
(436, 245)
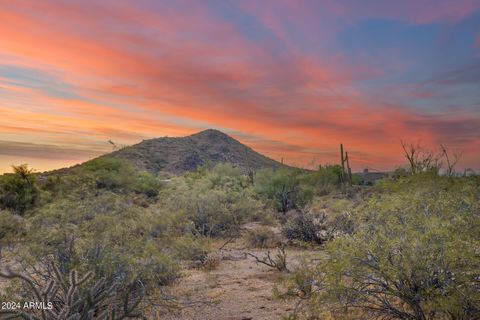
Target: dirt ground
(239, 288)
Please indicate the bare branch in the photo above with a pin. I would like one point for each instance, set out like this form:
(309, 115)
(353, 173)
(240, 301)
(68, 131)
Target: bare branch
(278, 262)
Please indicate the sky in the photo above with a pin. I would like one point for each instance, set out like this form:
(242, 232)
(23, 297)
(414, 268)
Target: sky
(291, 79)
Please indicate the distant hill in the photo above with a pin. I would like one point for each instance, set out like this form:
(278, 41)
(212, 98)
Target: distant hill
(180, 154)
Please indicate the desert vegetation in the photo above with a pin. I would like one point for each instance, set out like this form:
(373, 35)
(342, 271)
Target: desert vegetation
(106, 240)
(413, 254)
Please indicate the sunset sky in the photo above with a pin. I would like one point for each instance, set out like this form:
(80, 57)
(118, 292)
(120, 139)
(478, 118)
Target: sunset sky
(291, 79)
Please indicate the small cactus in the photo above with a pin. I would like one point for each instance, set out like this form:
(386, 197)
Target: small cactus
(67, 300)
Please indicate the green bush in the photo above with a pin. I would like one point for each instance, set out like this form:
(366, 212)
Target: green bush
(18, 191)
(288, 189)
(282, 188)
(217, 201)
(103, 233)
(324, 180)
(338, 212)
(262, 237)
(12, 227)
(189, 247)
(414, 254)
(119, 176)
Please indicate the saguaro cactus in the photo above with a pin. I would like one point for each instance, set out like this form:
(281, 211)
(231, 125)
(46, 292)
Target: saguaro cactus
(346, 172)
(342, 162)
(349, 170)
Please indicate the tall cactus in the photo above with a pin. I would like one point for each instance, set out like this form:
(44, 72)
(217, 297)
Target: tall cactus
(346, 175)
(342, 161)
(349, 170)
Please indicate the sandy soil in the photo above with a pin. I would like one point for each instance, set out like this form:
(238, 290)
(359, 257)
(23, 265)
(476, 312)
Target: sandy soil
(238, 289)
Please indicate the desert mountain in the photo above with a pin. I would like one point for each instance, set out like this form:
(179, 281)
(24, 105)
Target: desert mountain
(179, 154)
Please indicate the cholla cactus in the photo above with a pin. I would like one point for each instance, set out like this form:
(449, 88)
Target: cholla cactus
(64, 299)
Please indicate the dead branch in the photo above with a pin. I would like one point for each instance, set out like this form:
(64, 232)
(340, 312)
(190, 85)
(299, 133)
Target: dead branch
(451, 162)
(279, 262)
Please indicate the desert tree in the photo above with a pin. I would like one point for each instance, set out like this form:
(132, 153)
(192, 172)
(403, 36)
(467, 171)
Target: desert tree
(421, 159)
(18, 191)
(451, 160)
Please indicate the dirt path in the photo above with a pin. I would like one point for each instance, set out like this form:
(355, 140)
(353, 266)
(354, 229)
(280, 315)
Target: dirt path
(238, 289)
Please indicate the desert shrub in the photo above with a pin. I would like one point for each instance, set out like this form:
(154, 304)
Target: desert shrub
(307, 227)
(189, 247)
(210, 262)
(341, 224)
(282, 188)
(126, 250)
(126, 263)
(262, 237)
(357, 179)
(300, 283)
(12, 227)
(146, 184)
(119, 176)
(103, 233)
(399, 172)
(53, 183)
(414, 254)
(226, 176)
(211, 213)
(18, 191)
(324, 180)
(216, 201)
(266, 219)
(335, 203)
(338, 210)
(277, 261)
(289, 189)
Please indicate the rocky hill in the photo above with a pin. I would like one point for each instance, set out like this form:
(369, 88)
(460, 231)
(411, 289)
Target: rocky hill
(179, 154)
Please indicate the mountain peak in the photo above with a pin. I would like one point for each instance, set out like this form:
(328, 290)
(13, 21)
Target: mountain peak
(211, 134)
(210, 131)
(207, 147)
